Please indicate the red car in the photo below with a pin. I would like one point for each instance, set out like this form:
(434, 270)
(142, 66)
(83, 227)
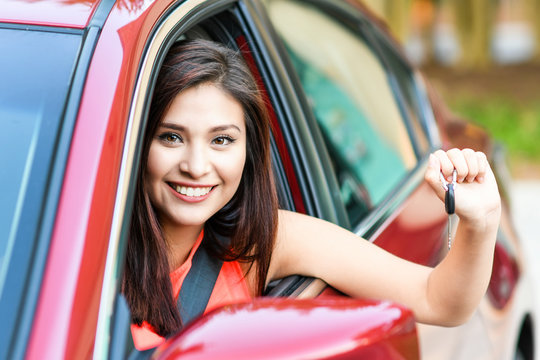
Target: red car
(353, 123)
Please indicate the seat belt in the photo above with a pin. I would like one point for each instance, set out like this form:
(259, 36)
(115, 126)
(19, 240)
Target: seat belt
(194, 293)
(198, 285)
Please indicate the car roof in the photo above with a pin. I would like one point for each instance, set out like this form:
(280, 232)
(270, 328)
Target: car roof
(60, 13)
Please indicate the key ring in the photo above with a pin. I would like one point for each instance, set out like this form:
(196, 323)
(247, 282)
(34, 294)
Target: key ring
(446, 183)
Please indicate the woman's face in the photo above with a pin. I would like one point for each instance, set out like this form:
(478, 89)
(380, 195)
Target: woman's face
(197, 156)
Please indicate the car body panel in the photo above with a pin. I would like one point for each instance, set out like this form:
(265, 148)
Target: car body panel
(67, 313)
(74, 14)
(330, 328)
(420, 225)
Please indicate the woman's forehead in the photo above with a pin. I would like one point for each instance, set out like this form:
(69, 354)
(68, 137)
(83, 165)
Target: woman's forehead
(205, 106)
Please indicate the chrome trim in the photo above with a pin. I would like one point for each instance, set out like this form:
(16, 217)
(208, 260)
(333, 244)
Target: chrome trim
(109, 288)
(310, 290)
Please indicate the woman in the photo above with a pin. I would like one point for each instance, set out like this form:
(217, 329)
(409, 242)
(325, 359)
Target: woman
(206, 175)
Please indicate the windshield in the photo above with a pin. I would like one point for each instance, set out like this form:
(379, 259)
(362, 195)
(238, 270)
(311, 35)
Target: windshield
(36, 69)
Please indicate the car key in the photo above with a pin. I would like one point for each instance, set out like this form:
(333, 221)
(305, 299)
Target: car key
(449, 202)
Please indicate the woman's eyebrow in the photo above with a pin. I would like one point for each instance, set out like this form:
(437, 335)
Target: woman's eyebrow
(172, 126)
(218, 128)
(225, 127)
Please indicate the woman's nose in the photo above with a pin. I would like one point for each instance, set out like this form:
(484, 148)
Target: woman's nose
(195, 162)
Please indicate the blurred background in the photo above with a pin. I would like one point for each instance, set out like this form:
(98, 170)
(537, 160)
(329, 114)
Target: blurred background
(483, 57)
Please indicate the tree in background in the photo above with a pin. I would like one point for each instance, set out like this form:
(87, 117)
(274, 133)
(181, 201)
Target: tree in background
(474, 21)
(533, 9)
(396, 13)
(475, 24)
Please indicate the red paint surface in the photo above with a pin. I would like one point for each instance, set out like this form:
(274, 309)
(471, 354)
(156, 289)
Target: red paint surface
(504, 277)
(63, 13)
(331, 328)
(66, 316)
(416, 231)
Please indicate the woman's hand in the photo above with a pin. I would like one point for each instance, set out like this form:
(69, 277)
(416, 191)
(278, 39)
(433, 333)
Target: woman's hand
(477, 197)
(445, 295)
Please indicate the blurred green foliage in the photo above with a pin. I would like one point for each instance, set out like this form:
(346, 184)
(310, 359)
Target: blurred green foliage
(515, 124)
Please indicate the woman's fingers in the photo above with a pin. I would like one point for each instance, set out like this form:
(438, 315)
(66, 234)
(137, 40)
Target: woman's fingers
(432, 175)
(477, 196)
(482, 166)
(470, 165)
(457, 157)
(446, 165)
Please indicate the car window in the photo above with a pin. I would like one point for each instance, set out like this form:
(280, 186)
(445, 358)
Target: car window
(408, 89)
(349, 92)
(224, 27)
(35, 69)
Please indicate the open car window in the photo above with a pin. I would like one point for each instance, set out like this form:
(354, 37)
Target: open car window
(221, 26)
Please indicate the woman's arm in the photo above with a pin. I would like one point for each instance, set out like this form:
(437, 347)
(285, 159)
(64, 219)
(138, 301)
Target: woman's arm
(445, 295)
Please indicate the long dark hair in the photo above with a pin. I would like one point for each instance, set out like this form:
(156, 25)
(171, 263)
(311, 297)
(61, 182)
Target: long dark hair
(249, 220)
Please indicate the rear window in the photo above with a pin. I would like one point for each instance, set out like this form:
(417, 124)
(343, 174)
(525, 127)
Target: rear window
(348, 88)
(35, 71)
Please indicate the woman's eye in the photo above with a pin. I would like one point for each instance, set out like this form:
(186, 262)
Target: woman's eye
(223, 140)
(171, 138)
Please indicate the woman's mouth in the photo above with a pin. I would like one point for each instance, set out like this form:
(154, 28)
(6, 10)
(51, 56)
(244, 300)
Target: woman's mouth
(192, 192)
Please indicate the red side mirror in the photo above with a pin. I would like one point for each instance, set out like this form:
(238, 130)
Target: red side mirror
(270, 328)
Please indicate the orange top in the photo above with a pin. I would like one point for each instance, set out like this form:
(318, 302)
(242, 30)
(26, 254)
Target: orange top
(230, 287)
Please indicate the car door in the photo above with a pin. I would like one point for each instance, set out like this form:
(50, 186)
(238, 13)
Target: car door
(237, 25)
(375, 129)
(221, 21)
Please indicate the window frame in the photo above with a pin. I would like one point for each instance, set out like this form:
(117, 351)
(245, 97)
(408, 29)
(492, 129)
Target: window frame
(114, 320)
(30, 258)
(369, 226)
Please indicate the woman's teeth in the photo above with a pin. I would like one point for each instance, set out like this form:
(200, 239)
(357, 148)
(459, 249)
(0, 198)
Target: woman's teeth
(190, 191)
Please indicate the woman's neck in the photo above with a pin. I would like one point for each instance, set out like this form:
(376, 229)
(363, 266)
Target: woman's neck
(180, 240)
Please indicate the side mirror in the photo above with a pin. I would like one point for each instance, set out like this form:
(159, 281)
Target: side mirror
(270, 328)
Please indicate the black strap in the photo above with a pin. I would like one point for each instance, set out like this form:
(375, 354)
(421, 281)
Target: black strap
(198, 285)
(194, 294)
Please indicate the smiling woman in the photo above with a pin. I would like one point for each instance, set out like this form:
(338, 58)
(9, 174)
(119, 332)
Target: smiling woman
(205, 187)
(208, 134)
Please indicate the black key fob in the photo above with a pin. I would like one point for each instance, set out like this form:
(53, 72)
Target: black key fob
(449, 200)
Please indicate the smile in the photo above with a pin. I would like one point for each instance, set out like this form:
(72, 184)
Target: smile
(191, 193)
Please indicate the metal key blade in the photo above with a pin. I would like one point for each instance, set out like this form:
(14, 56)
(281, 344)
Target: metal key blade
(449, 202)
(449, 231)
